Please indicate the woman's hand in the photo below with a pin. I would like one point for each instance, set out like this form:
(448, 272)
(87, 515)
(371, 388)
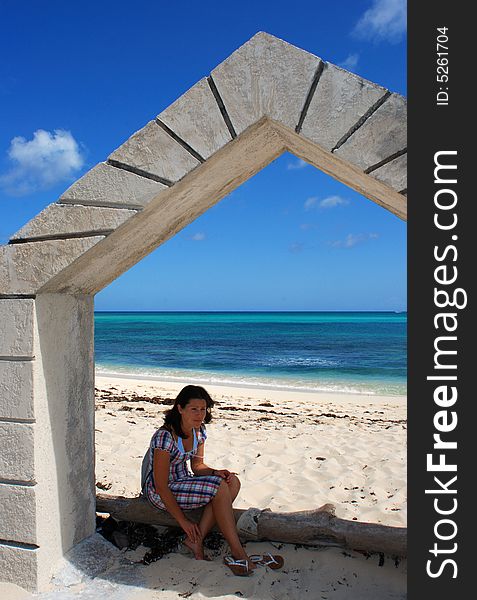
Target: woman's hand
(192, 530)
(225, 474)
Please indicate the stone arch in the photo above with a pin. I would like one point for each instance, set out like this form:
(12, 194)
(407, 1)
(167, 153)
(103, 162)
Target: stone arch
(268, 97)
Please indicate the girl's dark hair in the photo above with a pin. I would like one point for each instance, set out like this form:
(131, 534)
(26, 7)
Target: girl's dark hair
(172, 418)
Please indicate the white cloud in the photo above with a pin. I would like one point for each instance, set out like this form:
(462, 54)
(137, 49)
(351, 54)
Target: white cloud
(198, 237)
(310, 203)
(350, 62)
(41, 162)
(332, 201)
(385, 20)
(298, 164)
(352, 239)
(328, 202)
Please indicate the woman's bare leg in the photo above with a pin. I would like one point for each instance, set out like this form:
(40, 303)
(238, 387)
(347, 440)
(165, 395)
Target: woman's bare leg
(223, 513)
(207, 520)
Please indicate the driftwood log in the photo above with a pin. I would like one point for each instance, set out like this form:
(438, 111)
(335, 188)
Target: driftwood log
(319, 527)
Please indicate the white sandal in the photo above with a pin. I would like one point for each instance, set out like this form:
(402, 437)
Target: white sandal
(268, 560)
(239, 566)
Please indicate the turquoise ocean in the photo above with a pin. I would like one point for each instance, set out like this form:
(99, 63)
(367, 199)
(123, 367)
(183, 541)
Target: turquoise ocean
(352, 352)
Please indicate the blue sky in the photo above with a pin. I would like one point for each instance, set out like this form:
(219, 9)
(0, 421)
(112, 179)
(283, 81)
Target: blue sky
(81, 77)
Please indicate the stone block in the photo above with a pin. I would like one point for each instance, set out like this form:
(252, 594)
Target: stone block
(16, 452)
(265, 77)
(105, 185)
(16, 327)
(24, 268)
(394, 173)
(196, 118)
(64, 219)
(18, 513)
(16, 390)
(19, 566)
(381, 136)
(154, 151)
(340, 100)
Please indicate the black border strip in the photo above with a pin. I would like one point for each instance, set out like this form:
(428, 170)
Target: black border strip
(442, 294)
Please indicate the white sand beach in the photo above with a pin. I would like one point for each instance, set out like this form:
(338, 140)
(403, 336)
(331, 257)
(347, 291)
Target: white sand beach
(292, 451)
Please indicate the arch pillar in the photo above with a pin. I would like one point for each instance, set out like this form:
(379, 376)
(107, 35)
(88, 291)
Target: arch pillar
(47, 487)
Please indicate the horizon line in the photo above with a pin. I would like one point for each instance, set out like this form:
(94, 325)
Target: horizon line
(254, 311)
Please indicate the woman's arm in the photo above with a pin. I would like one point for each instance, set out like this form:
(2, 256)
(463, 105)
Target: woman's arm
(163, 443)
(161, 481)
(161, 465)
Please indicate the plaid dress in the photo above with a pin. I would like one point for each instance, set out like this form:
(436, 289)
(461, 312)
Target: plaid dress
(190, 491)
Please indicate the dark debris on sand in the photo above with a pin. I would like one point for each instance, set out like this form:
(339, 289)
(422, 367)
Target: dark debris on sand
(286, 417)
(108, 396)
(129, 535)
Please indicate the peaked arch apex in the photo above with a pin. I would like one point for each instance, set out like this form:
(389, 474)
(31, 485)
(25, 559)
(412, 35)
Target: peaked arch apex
(267, 92)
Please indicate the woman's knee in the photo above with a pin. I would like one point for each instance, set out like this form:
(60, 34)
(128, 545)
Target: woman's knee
(234, 482)
(223, 488)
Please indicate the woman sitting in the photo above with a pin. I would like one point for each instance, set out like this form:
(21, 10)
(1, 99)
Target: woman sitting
(172, 487)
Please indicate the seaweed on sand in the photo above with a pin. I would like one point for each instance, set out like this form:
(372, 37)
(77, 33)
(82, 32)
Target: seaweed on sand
(129, 535)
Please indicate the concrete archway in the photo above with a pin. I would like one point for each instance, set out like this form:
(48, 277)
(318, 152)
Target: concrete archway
(268, 97)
